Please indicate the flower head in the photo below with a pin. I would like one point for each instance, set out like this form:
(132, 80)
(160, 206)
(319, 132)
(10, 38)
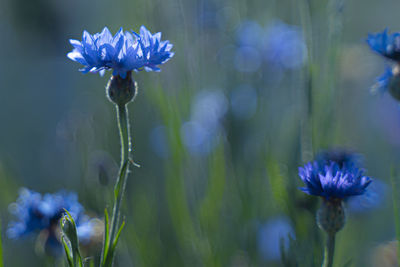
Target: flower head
(155, 51)
(387, 45)
(333, 182)
(122, 52)
(34, 213)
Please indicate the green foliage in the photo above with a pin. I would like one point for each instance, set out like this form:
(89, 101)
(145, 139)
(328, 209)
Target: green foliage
(70, 241)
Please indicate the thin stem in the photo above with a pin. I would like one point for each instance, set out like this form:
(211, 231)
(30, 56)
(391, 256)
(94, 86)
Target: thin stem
(125, 138)
(329, 250)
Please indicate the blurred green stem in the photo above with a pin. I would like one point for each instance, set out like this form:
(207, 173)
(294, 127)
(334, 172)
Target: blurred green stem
(119, 190)
(329, 250)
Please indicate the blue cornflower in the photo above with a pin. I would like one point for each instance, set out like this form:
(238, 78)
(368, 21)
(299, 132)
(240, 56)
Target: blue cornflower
(123, 52)
(388, 45)
(34, 213)
(27, 210)
(333, 182)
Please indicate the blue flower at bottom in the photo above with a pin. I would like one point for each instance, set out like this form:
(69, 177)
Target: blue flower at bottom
(123, 52)
(34, 213)
(387, 45)
(333, 182)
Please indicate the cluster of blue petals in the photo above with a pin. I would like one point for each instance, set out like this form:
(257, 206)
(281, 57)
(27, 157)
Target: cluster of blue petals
(34, 212)
(122, 52)
(330, 181)
(388, 46)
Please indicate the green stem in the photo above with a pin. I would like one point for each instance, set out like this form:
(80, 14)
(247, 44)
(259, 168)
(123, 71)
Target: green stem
(329, 250)
(125, 138)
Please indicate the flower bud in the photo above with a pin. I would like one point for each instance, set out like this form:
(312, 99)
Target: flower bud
(69, 230)
(121, 90)
(331, 216)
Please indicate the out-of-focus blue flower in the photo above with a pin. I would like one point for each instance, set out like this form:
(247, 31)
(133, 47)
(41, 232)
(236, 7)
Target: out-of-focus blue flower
(270, 236)
(371, 199)
(249, 33)
(200, 133)
(284, 45)
(280, 44)
(34, 212)
(27, 211)
(247, 59)
(122, 52)
(342, 157)
(333, 182)
(387, 45)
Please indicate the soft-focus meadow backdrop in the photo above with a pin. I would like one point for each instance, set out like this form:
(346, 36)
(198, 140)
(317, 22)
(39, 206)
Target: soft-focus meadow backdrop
(219, 133)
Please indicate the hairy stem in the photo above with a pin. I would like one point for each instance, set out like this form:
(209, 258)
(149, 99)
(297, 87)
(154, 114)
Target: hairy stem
(119, 189)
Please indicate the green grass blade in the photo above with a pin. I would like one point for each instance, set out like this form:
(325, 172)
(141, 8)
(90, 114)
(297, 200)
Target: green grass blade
(106, 238)
(110, 256)
(67, 252)
(122, 174)
(117, 236)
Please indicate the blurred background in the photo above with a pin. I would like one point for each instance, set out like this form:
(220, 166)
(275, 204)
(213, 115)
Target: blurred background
(255, 90)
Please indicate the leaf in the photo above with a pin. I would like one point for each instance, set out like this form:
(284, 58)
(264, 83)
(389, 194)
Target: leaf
(106, 238)
(120, 178)
(117, 236)
(67, 252)
(110, 257)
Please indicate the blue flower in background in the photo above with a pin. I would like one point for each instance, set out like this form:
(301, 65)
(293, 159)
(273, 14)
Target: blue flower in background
(370, 200)
(387, 45)
(284, 45)
(279, 44)
(274, 235)
(342, 157)
(34, 212)
(27, 211)
(333, 182)
(200, 134)
(122, 52)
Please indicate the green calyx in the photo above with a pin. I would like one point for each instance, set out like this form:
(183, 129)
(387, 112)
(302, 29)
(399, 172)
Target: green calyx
(120, 90)
(331, 216)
